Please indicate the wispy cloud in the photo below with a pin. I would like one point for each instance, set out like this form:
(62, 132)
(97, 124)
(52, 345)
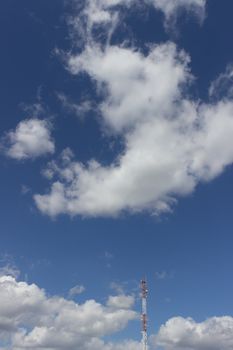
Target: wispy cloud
(172, 8)
(130, 287)
(121, 301)
(76, 290)
(25, 189)
(118, 287)
(107, 15)
(222, 86)
(78, 109)
(163, 275)
(8, 266)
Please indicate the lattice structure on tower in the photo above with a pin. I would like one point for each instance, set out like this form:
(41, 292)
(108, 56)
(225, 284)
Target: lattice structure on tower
(144, 293)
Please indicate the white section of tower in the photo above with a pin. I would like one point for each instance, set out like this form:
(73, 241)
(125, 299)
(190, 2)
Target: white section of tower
(144, 292)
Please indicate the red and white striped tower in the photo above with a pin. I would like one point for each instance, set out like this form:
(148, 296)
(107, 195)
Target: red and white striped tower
(144, 292)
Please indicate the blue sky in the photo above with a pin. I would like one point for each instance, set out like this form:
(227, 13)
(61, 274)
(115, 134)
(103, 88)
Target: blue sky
(116, 162)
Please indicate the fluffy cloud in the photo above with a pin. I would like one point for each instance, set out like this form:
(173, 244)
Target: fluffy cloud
(171, 143)
(180, 333)
(30, 319)
(31, 139)
(137, 84)
(169, 140)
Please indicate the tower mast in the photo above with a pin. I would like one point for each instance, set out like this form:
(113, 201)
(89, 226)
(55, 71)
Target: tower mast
(144, 292)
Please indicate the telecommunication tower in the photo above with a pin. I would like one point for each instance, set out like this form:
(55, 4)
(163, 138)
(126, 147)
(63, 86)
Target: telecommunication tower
(144, 292)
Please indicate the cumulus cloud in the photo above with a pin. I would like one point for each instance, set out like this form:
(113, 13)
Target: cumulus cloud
(31, 139)
(31, 319)
(179, 333)
(171, 142)
(168, 139)
(134, 80)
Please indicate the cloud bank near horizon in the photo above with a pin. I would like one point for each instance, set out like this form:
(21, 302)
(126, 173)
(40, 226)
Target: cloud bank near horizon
(32, 319)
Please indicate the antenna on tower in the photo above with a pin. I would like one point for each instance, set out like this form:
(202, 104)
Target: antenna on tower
(144, 292)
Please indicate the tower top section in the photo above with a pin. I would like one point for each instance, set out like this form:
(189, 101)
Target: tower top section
(144, 288)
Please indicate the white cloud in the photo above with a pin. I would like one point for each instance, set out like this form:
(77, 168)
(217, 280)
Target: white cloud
(171, 8)
(179, 333)
(108, 255)
(31, 139)
(8, 266)
(222, 87)
(101, 11)
(162, 275)
(129, 345)
(77, 109)
(92, 14)
(118, 287)
(31, 319)
(121, 301)
(171, 142)
(108, 14)
(25, 189)
(134, 80)
(9, 270)
(76, 290)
